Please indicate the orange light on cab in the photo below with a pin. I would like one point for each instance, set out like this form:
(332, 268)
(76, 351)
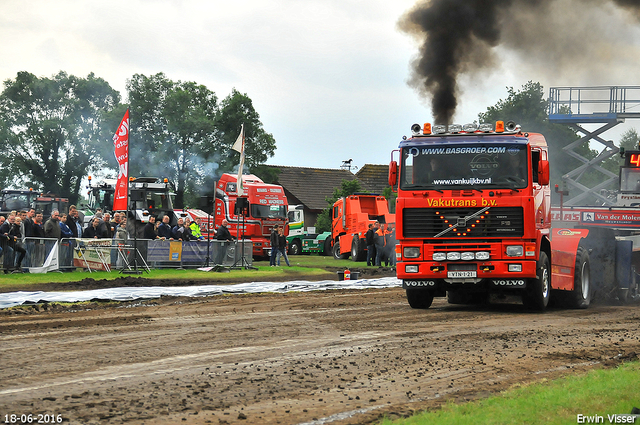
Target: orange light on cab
(499, 126)
(426, 129)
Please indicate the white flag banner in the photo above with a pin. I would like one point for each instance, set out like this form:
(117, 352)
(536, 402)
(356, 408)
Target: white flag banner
(50, 264)
(238, 146)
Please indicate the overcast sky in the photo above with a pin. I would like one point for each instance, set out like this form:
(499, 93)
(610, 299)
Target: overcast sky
(328, 77)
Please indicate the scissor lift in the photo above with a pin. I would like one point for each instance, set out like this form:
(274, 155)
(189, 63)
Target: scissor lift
(605, 105)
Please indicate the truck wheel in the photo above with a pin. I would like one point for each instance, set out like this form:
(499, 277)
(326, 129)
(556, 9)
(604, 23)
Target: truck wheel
(357, 249)
(326, 250)
(580, 297)
(336, 252)
(419, 298)
(536, 296)
(295, 248)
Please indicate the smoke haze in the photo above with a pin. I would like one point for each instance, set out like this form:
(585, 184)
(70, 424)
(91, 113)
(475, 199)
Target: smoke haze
(567, 42)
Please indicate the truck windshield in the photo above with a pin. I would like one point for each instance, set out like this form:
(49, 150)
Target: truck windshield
(630, 180)
(464, 166)
(16, 201)
(268, 211)
(160, 200)
(102, 198)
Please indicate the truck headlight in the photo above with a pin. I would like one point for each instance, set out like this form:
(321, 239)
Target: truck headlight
(453, 256)
(482, 255)
(439, 256)
(411, 269)
(515, 251)
(411, 252)
(467, 256)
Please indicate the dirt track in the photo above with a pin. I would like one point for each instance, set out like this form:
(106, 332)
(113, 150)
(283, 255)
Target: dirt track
(327, 357)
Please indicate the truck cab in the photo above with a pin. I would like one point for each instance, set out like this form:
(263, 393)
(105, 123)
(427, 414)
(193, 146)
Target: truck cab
(472, 213)
(147, 195)
(16, 200)
(252, 215)
(350, 219)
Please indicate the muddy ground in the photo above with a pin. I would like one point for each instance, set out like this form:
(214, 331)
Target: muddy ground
(338, 357)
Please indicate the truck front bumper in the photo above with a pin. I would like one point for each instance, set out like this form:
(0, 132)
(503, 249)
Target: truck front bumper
(500, 274)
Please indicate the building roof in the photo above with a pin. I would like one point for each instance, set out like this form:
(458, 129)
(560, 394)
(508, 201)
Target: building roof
(374, 177)
(311, 186)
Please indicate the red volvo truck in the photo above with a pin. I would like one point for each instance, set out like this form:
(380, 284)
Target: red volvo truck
(350, 219)
(266, 206)
(473, 217)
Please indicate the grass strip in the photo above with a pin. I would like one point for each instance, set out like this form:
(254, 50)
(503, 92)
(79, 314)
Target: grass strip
(595, 395)
(301, 265)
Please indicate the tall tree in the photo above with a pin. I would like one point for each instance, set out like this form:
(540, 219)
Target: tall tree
(53, 130)
(173, 125)
(237, 109)
(529, 108)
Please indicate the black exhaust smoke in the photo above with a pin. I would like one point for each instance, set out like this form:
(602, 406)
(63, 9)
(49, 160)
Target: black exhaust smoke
(460, 36)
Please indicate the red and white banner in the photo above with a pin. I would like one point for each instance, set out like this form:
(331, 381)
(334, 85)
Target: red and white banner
(121, 143)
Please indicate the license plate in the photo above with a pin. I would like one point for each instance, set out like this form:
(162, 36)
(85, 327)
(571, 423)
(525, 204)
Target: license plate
(462, 274)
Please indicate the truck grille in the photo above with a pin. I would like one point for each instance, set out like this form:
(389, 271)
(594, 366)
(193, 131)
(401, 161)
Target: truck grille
(495, 222)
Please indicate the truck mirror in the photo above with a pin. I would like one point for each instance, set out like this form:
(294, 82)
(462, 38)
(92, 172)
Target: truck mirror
(393, 173)
(543, 172)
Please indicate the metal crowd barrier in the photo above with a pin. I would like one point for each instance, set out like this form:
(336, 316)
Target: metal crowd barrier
(113, 254)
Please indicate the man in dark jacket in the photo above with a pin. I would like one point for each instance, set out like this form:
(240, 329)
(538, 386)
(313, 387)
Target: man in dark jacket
(150, 228)
(223, 232)
(4, 241)
(371, 247)
(37, 230)
(274, 245)
(225, 237)
(164, 230)
(177, 232)
(72, 221)
(15, 242)
(93, 231)
(28, 222)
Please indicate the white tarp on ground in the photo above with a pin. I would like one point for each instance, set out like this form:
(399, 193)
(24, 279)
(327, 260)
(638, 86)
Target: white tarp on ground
(11, 299)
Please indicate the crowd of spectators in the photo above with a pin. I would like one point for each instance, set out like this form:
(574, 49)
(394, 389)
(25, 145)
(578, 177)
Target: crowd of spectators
(20, 225)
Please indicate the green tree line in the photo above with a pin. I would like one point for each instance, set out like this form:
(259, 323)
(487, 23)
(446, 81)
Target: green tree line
(57, 131)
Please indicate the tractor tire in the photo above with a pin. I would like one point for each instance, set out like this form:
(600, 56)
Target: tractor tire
(326, 250)
(580, 297)
(357, 249)
(336, 252)
(419, 298)
(295, 248)
(537, 293)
